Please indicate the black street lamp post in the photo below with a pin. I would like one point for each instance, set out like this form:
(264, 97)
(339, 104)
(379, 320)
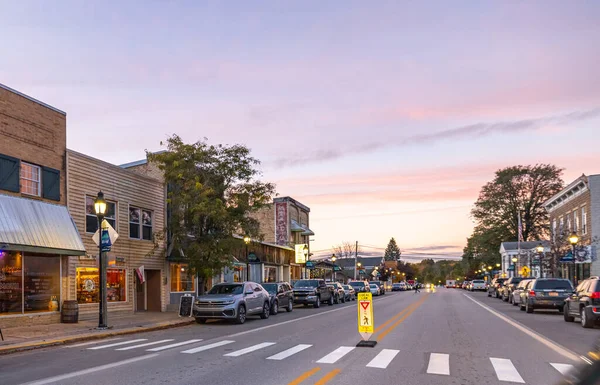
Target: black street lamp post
(306, 256)
(333, 259)
(100, 209)
(247, 242)
(573, 240)
(514, 265)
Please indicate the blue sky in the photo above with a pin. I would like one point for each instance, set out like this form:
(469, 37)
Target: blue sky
(364, 112)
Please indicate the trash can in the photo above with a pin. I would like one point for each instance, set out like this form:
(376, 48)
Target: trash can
(70, 312)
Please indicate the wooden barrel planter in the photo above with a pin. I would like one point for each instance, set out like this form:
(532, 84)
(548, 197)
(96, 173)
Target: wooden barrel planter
(70, 312)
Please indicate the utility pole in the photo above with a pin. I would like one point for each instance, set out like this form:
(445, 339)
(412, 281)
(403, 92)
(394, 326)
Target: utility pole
(355, 259)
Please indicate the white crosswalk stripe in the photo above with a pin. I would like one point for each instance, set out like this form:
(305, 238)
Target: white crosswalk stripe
(250, 349)
(207, 347)
(161, 348)
(439, 364)
(505, 370)
(144, 345)
(564, 369)
(92, 343)
(117, 344)
(383, 359)
(290, 352)
(334, 356)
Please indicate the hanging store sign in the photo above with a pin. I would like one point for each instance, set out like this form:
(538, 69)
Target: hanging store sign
(300, 258)
(281, 223)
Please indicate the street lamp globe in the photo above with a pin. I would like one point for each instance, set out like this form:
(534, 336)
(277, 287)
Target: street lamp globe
(540, 248)
(497, 265)
(333, 258)
(489, 268)
(573, 238)
(305, 251)
(515, 259)
(358, 264)
(100, 205)
(247, 239)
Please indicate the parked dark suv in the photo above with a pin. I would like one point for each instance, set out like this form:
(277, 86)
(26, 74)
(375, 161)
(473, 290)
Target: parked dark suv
(312, 292)
(584, 303)
(546, 293)
(495, 287)
(281, 296)
(509, 286)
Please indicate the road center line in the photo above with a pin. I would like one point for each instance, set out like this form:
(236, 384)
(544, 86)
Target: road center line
(413, 307)
(328, 377)
(90, 370)
(536, 336)
(304, 376)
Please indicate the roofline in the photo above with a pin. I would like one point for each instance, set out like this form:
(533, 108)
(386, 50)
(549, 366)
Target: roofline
(139, 162)
(292, 200)
(566, 189)
(7, 88)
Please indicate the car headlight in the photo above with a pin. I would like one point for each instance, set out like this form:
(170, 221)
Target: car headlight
(230, 302)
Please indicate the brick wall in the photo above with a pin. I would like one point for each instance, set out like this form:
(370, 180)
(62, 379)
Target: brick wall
(150, 170)
(266, 218)
(34, 133)
(566, 211)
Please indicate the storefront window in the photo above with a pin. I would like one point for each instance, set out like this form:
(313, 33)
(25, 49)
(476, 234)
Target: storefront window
(88, 286)
(11, 282)
(270, 274)
(181, 280)
(42, 283)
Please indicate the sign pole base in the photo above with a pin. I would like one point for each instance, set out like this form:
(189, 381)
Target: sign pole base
(366, 344)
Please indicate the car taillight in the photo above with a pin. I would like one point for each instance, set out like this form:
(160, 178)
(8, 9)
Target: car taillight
(531, 293)
(595, 295)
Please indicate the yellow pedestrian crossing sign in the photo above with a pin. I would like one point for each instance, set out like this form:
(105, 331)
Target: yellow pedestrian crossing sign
(365, 315)
(525, 271)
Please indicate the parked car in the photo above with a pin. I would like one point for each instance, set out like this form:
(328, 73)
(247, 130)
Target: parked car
(281, 296)
(312, 292)
(374, 289)
(516, 293)
(339, 292)
(396, 287)
(350, 293)
(234, 301)
(584, 303)
(360, 286)
(546, 293)
(381, 287)
(495, 286)
(477, 284)
(509, 286)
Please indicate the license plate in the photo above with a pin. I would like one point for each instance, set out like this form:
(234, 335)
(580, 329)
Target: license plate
(553, 294)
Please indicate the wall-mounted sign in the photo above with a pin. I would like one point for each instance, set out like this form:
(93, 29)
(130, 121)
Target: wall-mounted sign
(281, 223)
(300, 258)
(337, 268)
(310, 265)
(253, 258)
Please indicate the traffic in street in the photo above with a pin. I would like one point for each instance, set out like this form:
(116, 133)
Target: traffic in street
(437, 336)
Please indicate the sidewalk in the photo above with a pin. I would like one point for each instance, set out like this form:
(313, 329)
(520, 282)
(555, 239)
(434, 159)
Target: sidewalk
(39, 336)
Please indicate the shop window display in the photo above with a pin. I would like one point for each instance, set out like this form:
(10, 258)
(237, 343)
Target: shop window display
(88, 288)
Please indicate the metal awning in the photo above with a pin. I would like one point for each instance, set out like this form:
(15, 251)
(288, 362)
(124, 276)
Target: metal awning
(297, 227)
(35, 226)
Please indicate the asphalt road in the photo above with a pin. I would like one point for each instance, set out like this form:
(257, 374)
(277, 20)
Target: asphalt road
(445, 337)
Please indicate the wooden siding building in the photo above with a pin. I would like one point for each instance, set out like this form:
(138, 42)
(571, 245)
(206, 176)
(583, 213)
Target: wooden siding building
(136, 210)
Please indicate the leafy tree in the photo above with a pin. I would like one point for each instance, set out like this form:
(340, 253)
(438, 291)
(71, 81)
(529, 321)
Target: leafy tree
(392, 251)
(212, 189)
(514, 190)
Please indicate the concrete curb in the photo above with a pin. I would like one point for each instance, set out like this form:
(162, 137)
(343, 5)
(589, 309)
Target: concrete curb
(9, 349)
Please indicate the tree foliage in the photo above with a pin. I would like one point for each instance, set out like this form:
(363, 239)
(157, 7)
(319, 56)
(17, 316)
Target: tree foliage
(514, 190)
(392, 251)
(212, 189)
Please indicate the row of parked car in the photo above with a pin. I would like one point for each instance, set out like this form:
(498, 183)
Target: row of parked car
(237, 301)
(530, 294)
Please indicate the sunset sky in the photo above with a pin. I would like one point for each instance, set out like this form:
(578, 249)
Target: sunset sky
(385, 118)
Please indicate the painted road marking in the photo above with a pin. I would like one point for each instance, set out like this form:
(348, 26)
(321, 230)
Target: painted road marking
(290, 352)
(250, 349)
(117, 344)
(62, 377)
(144, 345)
(160, 348)
(506, 371)
(439, 364)
(328, 377)
(334, 356)
(383, 359)
(549, 343)
(207, 347)
(564, 369)
(93, 343)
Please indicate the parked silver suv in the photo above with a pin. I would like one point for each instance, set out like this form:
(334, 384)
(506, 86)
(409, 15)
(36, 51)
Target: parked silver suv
(233, 301)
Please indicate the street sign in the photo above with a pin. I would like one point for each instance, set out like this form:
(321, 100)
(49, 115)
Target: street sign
(337, 268)
(365, 315)
(525, 271)
(253, 258)
(310, 265)
(110, 236)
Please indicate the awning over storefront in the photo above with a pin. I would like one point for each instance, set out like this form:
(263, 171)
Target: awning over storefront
(34, 226)
(297, 227)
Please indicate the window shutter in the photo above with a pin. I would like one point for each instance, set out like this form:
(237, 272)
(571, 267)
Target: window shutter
(9, 173)
(50, 183)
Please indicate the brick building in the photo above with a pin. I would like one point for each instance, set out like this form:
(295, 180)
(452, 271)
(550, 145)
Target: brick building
(136, 209)
(37, 234)
(577, 208)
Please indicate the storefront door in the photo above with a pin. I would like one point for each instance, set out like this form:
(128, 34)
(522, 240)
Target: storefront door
(153, 299)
